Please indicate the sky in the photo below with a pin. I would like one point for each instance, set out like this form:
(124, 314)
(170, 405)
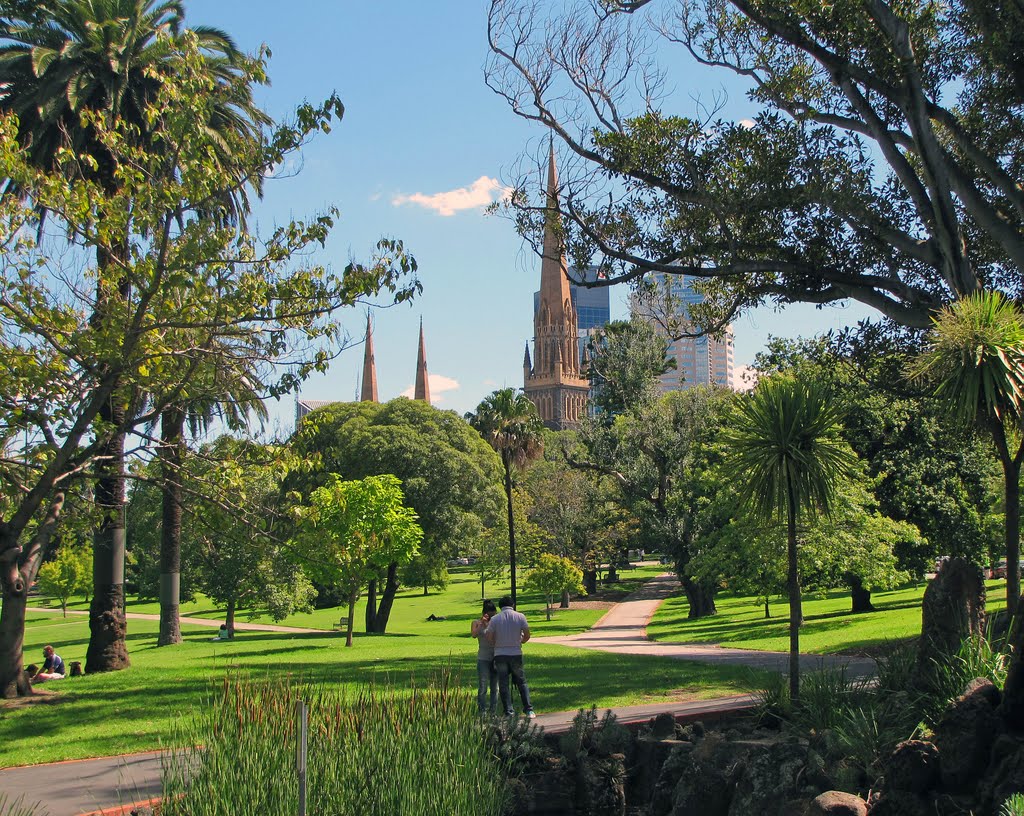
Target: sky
(423, 148)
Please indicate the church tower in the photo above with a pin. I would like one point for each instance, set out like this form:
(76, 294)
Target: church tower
(555, 383)
(368, 393)
(422, 391)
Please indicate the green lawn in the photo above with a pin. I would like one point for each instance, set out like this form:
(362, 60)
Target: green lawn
(829, 627)
(134, 710)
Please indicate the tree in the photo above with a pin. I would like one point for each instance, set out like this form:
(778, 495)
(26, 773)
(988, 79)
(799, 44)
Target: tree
(64, 575)
(240, 560)
(626, 359)
(509, 422)
(552, 576)
(106, 58)
(350, 530)
(69, 365)
(884, 166)
(449, 475)
(787, 458)
(976, 361)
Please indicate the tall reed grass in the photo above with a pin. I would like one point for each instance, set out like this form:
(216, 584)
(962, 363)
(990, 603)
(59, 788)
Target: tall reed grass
(376, 752)
(17, 807)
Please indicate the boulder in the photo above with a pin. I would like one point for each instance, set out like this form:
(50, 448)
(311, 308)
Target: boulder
(1005, 775)
(668, 777)
(707, 781)
(546, 792)
(965, 734)
(649, 757)
(838, 803)
(663, 726)
(768, 780)
(952, 611)
(901, 803)
(913, 766)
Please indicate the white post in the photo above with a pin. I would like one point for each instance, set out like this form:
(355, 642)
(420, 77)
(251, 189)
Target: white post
(302, 724)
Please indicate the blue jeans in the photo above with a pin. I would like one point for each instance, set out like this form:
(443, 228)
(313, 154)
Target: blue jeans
(512, 665)
(486, 679)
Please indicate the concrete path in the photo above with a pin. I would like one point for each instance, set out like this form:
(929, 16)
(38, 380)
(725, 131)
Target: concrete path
(93, 785)
(239, 625)
(623, 630)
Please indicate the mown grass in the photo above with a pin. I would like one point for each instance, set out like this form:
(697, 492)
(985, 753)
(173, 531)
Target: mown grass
(136, 709)
(829, 626)
(458, 604)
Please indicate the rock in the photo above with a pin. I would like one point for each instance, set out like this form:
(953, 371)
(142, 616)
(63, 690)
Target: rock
(768, 779)
(650, 756)
(1005, 775)
(547, 792)
(707, 782)
(913, 766)
(663, 726)
(668, 777)
(838, 803)
(601, 786)
(965, 734)
(901, 803)
(952, 611)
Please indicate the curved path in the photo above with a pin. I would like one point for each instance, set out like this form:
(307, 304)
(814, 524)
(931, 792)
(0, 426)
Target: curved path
(86, 786)
(623, 630)
(241, 626)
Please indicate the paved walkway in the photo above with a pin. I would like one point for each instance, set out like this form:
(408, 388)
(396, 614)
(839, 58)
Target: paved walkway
(624, 630)
(93, 785)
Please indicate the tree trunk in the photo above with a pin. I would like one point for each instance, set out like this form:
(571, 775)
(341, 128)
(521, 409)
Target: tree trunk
(371, 606)
(511, 527)
(564, 602)
(612, 576)
(352, 596)
(1012, 493)
(425, 592)
(229, 619)
(860, 596)
(796, 615)
(590, 581)
(767, 611)
(700, 597)
(547, 606)
(387, 599)
(13, 679)
(172, 425)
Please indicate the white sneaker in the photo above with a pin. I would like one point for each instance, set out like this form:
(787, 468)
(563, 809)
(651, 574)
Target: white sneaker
(530, 715)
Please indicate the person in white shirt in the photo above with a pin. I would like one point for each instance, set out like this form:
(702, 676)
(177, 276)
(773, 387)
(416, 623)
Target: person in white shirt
(508, 631)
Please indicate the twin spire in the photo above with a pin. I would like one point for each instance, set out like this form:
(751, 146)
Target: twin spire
(368, 391)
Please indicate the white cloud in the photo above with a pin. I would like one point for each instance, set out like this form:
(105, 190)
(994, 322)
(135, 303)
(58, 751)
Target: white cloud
(438, 385)
(746, 123)
(480, 193)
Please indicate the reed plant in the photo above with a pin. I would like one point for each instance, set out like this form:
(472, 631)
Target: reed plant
(17, 807)
(379, 751)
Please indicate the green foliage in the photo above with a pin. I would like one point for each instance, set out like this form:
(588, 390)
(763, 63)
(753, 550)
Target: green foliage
(1014, 806)
(517, 744)
(376, 751)
(553, 575)
(590, 735)
(17, 807)
(626, 359)
(69, 573)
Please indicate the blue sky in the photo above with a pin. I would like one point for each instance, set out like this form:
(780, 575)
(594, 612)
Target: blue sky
(423, 146)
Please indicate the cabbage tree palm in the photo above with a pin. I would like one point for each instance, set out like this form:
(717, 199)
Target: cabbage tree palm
(106, 56)
(787, 458)
(509, 422)
(975, 360)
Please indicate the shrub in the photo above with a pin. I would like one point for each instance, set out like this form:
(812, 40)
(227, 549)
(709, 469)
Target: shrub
(589, 735)
(378, 752)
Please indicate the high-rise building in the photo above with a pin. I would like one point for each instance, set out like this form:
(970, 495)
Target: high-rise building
(554, 380)
(701, 360)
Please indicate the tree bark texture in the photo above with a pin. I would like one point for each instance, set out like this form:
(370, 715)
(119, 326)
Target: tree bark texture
(352, 596)
(861, 597)
(172, 423)
(700, 597)
(229, 618)
(564, 602)
(511, 527)
(387, 600)
(13, 679)
(370, 617)
(590, 581)
(796, 615)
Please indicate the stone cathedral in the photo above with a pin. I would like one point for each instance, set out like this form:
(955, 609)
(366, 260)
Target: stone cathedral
(554, 380)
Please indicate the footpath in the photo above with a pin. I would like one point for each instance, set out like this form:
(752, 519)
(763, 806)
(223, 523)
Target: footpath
(109, 785)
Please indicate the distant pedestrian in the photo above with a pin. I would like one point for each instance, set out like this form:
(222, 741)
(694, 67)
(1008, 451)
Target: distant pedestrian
(53, 666)
(508, 631)
(486, 675)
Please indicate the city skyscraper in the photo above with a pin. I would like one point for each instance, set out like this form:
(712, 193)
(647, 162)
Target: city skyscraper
(554, 380)
(701, 360)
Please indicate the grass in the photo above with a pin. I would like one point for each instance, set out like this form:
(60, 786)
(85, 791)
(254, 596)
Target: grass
(136, 709)
(829, 627)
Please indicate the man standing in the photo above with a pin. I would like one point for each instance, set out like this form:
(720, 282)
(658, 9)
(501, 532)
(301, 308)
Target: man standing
(508, 631)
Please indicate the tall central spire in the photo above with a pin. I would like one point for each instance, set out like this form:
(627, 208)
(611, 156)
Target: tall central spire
(368, 393)
(555, 383)
(422, 391)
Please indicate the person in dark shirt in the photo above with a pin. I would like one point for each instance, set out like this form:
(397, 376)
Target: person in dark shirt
(53, 666)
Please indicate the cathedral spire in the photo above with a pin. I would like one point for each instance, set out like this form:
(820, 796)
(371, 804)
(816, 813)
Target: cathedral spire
(369, 390)
(422, 391)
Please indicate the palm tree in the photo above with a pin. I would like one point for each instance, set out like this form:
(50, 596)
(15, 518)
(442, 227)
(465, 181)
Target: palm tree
(787, 457)
(107, 56)
(508, 420)
(976, 362)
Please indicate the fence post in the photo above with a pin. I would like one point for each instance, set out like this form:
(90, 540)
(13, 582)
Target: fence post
(302, 724)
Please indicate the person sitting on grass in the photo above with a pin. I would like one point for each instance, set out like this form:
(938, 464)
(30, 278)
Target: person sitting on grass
(53, 666)
(222, 633)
